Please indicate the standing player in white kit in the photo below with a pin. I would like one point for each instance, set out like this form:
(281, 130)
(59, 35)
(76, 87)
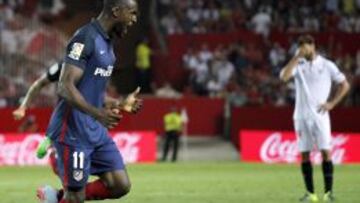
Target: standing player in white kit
(314, 76)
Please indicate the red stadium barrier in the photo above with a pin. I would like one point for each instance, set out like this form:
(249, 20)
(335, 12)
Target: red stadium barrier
(205, 116)
(20, 149)
(281, 147)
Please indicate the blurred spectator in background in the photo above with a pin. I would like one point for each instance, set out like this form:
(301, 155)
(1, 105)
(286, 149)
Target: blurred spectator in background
(48, 10)
(261, 23)
(277, 58)
(332, 5)
(169, 24)
(205, 54)
(198, 66)
(238, 97)
(221, 70)
(200, 75)
(167, 91)
(143, 65)
(173, 128)
(189, 58)
(311, 23)
(237, 57)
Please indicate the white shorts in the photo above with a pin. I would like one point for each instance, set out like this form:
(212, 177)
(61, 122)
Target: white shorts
(313, 132)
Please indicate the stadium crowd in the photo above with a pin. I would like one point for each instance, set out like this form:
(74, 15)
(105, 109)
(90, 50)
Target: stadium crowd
(262, 16)
(27, 48)
(250, 75)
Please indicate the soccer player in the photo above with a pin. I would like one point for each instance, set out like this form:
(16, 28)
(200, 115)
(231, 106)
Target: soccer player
(78, 126)
(314, 77)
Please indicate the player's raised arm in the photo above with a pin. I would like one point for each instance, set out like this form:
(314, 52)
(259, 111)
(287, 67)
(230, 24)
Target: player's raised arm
(288, 71)
(33, 91)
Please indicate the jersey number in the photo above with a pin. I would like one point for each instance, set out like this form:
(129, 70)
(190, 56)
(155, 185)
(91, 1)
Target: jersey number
(78, 160)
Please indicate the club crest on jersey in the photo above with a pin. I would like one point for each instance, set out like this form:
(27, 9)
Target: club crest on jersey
(76, 50)
(104, 72)
(78, 175)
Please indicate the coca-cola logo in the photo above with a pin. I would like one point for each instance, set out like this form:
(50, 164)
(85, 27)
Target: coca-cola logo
(20, 149)
(276, 149)
(128, 145)
(21, 152)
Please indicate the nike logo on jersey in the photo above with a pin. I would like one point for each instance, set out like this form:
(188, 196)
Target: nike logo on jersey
(102, 52)
(104, 72)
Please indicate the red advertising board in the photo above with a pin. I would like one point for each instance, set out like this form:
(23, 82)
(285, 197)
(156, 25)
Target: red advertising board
(20, 149)
(281, 147)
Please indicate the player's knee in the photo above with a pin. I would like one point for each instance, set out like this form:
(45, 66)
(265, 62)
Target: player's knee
(326, 155)
(121, 189)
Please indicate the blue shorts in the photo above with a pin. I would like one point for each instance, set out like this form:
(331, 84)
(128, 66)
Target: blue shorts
(75, 164)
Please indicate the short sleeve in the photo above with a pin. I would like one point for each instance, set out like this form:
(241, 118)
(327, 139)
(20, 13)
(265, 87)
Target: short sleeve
(53, 73)
(79, 50)
(336, 75)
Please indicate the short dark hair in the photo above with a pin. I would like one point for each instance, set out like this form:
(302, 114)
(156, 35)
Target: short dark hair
(109, 4)
(306, 39)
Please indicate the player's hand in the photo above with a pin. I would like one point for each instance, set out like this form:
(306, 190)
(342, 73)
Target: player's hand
(109, 117)
(300, 53)
(132, 104)
(19, 113)
(111, 103)
(323, 108)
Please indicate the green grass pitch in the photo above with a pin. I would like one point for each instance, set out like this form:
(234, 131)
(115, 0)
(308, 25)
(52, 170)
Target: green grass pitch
(221, 182)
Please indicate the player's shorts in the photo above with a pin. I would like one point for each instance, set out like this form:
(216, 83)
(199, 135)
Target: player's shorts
(312, 132)
(76, 164)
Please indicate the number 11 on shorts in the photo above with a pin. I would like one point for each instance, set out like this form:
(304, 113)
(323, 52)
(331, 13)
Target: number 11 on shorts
(78, 160)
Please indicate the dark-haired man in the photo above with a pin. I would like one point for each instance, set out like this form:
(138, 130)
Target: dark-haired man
(314, 76)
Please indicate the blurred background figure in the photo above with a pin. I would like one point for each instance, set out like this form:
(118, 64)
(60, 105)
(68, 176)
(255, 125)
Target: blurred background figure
(167, 91)
(173, 125)
(143, 65)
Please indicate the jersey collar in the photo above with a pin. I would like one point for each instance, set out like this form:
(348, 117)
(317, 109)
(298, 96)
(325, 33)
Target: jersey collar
(100, 29)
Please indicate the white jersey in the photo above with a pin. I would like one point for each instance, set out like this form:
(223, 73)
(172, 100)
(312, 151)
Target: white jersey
(313, 81)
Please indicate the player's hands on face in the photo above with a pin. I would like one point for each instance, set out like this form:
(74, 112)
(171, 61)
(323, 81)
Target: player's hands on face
(323, 108)
(19, 113)
(109, 117)
(300, 53)
(132, 104)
